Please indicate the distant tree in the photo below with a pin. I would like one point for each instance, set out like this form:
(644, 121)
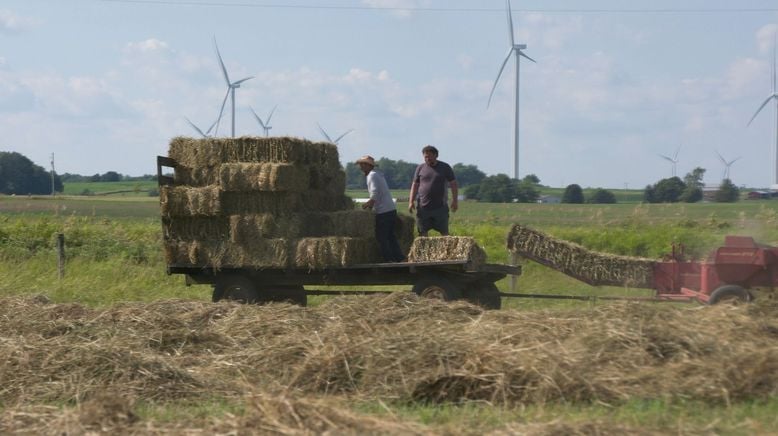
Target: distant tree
(668, 190)
(111, 176)
(532, 179)
(398, 173)
(497, 189)
(728, 192)
(467, 175)
(19, 175)
(602, 196)
(96, 178)
(573, 194)
(648, 194)
(526, 190)
(472, 191)
(692, 193)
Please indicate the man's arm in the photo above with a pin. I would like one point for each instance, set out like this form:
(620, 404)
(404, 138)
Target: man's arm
(454, 195)
(412, 198)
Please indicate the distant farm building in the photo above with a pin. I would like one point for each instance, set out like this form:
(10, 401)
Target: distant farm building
(550, 199)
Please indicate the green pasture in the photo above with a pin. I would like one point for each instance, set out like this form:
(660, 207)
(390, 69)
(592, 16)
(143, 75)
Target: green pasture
(123, 189)
(114, 254)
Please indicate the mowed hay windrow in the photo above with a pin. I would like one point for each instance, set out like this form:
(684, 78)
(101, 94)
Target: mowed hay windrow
(371, 347)
(427, 249)
(263, 197)
(578, 262)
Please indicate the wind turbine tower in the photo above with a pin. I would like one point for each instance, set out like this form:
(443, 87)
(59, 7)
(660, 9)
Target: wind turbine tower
(673, 160)
(265, 124)
(321, 129)
(727, 165)
(52, 174)
(517, 50)
(231, 87)
(772, 96)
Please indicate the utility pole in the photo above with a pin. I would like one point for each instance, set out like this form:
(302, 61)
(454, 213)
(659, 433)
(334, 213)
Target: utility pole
(52, 174)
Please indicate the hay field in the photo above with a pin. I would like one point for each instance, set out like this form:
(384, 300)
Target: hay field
(281, 369)
(121, 347)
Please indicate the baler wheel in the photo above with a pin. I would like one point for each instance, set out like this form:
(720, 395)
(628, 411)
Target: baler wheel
(484, 294)
(730, 293)
(236, 288)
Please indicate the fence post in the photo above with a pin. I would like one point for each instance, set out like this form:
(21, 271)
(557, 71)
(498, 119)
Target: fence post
(61, 255)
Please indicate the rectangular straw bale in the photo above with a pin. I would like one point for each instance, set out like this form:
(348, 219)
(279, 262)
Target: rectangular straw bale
(244, 229)
(211, 152)
(263, 177)
(591, 267)
(196, 228)
(429, 249)
(248, 203)
(332, 180)
(177, 201)
(320, 253)
(216, 254)
(198, 177)
(326, 201)
(404, 229)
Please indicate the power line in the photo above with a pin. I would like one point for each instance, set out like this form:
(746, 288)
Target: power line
(429, 9)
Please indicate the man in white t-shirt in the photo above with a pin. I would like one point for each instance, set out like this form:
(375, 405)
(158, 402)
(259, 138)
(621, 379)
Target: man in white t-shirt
(385, 211)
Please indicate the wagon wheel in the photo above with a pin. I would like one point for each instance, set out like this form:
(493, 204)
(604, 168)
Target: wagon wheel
(294, 294)
(437, 287)
(484, 294)
(730, 294)
(236, 288)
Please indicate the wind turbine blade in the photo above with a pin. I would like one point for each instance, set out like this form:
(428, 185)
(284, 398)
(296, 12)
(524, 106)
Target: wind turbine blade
(735, 160)
(675, 156)
(221, 111)
(341, 136)
(270, 115)
(195, 127)
(767, 100)
(721, 158)
(221, 62)
(502, 67)
(521, 53)
(259, 120)
(208, 132)
(321, 129)
(510, 23)
(241, 81)
(775, 42)
(666, 158)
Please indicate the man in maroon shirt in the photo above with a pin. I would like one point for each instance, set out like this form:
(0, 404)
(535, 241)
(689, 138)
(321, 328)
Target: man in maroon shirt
(429, 194)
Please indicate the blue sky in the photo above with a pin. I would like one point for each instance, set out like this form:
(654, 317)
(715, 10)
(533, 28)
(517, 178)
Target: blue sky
(104, 85)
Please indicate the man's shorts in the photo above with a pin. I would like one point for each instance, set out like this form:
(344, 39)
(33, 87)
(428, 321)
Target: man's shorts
(432, 219)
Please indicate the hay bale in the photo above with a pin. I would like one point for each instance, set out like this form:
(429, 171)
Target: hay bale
(321, 253)
(435, 248)
(578, 262)
(181, 201)
(193, 228)
(263, 177)
(211, 152)
(217, 254)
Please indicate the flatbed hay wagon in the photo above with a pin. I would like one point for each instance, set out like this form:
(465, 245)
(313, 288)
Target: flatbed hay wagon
(266, 219)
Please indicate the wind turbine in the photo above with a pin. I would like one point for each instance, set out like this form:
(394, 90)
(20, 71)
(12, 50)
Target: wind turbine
(265, 124)
(321, 129)
(205, 134)
(231, 87)
(727, 164)
(772, 96)
(514, 49)
(673, 159)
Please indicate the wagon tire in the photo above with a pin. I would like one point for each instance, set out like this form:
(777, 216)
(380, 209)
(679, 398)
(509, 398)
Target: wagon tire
(237, 288)
(730, 293)
(438, 288)
(485, 295)
(294, 294)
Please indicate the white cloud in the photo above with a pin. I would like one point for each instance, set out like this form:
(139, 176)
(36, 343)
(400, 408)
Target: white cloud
(11, 23)
(765, 38)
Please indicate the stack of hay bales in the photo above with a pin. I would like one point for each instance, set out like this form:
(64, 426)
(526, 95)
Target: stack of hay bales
(264, 203)
(430, 249)
(591, 267)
